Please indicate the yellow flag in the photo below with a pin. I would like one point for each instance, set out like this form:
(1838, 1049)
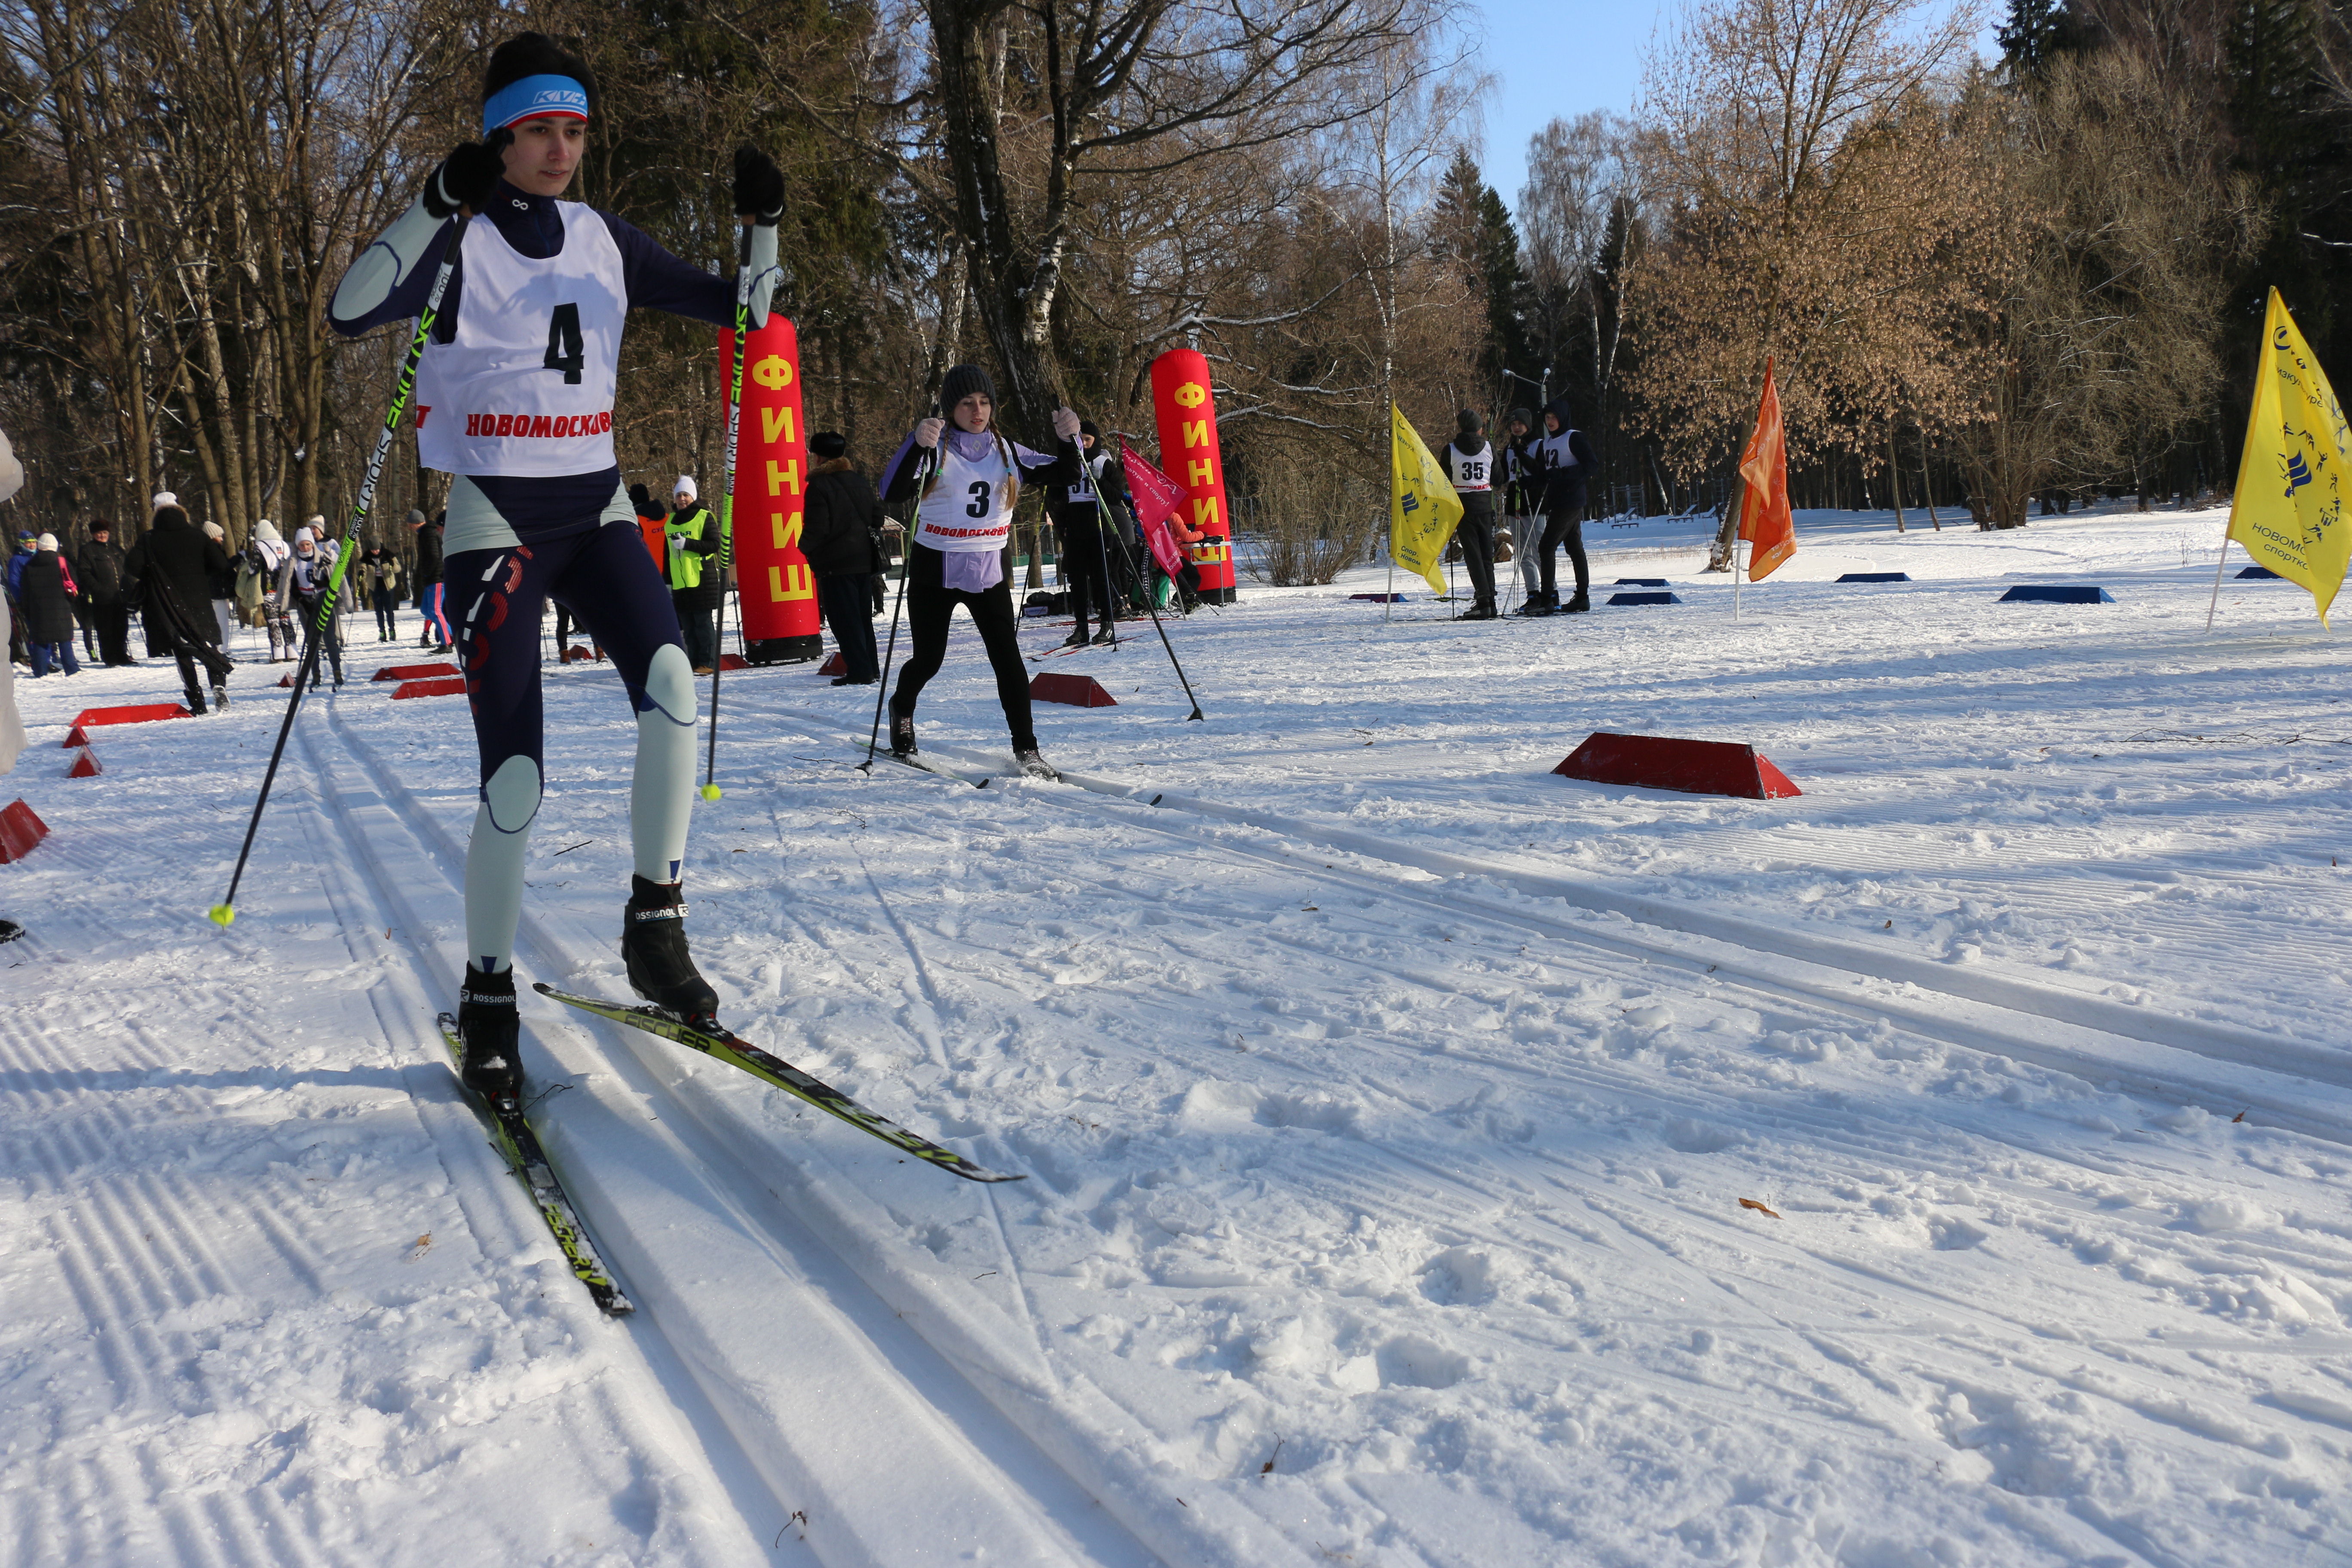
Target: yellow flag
(2289, 508)
(1423, 507)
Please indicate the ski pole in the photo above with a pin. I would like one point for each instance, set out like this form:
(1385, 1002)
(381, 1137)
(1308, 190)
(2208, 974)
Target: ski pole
(225, 910)
(1128, 562)
(726, 501)
(906, 570)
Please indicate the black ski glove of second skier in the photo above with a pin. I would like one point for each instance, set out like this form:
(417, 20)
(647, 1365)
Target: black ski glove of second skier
(468, 176)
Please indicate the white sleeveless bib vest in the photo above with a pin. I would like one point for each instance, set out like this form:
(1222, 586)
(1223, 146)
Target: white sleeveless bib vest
(970, 505)
(525, 388)
(434, 450)
(1470, 475)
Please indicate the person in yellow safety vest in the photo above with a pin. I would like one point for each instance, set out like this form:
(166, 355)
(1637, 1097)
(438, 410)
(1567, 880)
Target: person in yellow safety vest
(695, 580)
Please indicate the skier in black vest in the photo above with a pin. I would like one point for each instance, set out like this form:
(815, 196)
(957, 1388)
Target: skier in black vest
(521, 376)
(1469, 461)
(1087, 511)
(1559, 460)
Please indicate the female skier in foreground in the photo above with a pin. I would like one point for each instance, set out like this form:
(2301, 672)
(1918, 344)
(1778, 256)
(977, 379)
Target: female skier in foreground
(521, 372)
(970, 476)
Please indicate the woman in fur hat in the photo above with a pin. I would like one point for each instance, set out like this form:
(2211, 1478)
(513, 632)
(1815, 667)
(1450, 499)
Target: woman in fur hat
(515, 398)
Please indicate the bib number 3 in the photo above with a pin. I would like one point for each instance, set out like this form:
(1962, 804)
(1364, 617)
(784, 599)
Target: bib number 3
(980, 491)
(566, 349)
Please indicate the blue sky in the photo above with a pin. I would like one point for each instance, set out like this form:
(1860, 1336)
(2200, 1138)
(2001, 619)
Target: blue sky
(1555, 58)
(1551, 59)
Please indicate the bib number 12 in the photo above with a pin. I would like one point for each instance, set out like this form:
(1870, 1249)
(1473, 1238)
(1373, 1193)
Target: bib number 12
(566, 349)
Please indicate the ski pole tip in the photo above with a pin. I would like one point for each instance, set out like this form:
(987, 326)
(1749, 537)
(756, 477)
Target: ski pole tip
(221, 914)
(710, 792)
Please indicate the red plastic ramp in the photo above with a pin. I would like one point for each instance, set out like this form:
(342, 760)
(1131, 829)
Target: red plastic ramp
(453, 686)
(833, 665)
(85, 765)
(1077, 690)
(19, 831)
(140, 713)
(733, 661)
(1692, 767)
(578, 656)
(77, 737)
(413, 671)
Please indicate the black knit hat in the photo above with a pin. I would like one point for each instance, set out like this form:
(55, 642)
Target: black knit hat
(1468, 423)
(534, 54)
(828, 444)
(1522, 417)
(642, 498)
(961, 383)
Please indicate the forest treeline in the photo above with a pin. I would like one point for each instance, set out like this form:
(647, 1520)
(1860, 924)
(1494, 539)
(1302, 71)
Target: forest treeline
(1989, 282)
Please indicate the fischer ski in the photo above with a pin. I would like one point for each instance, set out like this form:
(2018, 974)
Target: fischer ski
(511, 1136)
(726, 1046)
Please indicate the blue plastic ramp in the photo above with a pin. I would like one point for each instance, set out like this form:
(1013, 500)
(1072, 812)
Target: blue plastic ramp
(1643, 599)
(2261, 571)
(1640, 582)
(2056, 593)
(1876, 577)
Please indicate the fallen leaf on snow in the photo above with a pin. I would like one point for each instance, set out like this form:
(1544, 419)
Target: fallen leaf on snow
(1759, 1209)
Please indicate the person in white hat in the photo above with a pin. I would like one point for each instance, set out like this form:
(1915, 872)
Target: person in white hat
(694, 579)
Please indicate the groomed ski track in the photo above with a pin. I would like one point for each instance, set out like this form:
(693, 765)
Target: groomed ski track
(1385, 1202)
(873, 1444)
(2145, 1049)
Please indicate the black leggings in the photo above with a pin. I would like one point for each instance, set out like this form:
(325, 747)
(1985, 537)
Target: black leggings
(1565, 528)
(1086, 566)
(930, 606)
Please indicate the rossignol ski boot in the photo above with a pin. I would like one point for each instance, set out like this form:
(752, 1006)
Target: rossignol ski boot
(490, 1029)
(653, 946)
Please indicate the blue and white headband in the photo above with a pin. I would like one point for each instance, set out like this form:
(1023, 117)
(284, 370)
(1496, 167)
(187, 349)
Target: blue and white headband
(532, 98)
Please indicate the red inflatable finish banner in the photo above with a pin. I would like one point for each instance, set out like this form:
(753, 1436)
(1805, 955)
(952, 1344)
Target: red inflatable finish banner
(1187, 413)
(778, 591)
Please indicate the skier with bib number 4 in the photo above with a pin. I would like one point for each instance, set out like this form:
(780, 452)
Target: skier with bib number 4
(515, 399)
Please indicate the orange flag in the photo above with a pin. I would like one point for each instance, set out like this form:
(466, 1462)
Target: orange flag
(1764, 519)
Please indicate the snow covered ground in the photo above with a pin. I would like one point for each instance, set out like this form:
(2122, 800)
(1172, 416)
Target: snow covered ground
(1392, 1109)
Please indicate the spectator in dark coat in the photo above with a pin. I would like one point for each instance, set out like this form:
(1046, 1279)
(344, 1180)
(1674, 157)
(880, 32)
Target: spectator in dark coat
(428, 580)
(46, 592)
(841, 534)
(170, 572)
(99, 570)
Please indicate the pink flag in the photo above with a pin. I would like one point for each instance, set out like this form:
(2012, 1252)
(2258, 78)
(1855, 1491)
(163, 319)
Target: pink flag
(1156, 498)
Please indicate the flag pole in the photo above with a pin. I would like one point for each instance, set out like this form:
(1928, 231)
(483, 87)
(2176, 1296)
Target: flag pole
(2219, 567)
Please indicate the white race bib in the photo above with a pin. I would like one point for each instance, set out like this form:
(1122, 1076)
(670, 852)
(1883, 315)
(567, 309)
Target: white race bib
(970, 505)
(1470, 474)
(525, 388)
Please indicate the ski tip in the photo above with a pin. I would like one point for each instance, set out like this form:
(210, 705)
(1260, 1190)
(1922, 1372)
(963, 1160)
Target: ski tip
(710, 792)
(220, 914)
(543, 987)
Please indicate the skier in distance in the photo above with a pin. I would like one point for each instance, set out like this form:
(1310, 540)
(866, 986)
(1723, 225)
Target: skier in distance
(522, 371)
(963, 519)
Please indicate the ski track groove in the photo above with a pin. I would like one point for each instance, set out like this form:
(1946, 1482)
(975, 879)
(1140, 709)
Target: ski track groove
(442, 849)
(2012, 1335)
(1678, 949)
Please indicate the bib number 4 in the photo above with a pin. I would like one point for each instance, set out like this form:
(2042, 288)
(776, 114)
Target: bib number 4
(566, 349)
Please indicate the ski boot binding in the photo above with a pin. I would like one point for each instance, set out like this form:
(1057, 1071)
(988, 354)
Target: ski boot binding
(490, 1029)
(653, 946)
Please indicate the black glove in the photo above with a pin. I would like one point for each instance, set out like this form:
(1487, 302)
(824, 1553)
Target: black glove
(759, 186)
(468, 176)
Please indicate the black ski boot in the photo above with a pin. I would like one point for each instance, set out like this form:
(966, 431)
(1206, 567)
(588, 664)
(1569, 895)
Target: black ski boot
(1076, 639)
(653, 945)
(1034, 764)
(1108, 636)
(902, 735)
(488, 1027)
(1580, 605)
